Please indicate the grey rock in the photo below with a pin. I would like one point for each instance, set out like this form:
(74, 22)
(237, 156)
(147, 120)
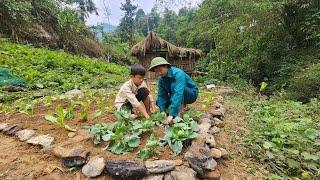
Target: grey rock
(11, 130)
(216, 153)
(154, 177)
(184, 174)
(94, 167)
(202, 116)
(75, 157)
(219, 99)
(25, 134)
(214, 130)
(168, 176)
(210, 140)
(61, 152)
(73, 161)
(224, 153)
(126, 169)
(74, 93)
(217, 113)
(42, 140)
(218, 123)
(204, 120)
(224, 90)
(159, 166)
(3, 126)
(199, 156)
(204, 127)
(80, 151)
(217, 105)
(210, 164)
(198, 161)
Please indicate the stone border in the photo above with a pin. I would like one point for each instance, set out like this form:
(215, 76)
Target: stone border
(201, 155)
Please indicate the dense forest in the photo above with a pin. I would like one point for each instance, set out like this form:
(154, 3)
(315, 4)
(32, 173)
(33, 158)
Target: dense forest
(244, 41)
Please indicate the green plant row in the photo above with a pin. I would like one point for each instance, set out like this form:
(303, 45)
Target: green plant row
(57, 70)
(123, 136)
(285, 135)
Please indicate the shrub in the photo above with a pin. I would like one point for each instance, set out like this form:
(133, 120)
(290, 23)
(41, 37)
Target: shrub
(306, 84)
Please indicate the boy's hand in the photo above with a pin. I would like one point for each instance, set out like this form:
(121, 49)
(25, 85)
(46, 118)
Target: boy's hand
(152, 107)
(170, 119)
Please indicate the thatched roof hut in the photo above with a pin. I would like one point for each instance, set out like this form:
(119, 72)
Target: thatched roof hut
(153, 46)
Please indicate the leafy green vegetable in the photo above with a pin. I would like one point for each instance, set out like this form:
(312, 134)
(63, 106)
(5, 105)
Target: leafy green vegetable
(183, 130)
(59, 118)
(150, 149)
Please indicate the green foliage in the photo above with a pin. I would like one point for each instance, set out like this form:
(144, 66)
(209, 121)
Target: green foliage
(85, 109)
(248, 41)
(51, 23)
(285, 135)
(180, 133)
(126, 26)
(58, 71)
(69, 28)
(86, 7)
(99, 130)
(15, 14)
(119, 134)
(124, 134)
(150, 149)
(59, 118)
(305, 85)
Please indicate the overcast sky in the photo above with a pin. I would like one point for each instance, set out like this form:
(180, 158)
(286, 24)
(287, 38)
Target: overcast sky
(116, 14)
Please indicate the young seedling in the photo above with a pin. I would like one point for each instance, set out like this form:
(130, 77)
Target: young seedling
(150, 149)
(59, 118)
(85, 111)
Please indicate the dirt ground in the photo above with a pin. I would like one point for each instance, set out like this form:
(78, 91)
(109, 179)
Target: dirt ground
(19, 160)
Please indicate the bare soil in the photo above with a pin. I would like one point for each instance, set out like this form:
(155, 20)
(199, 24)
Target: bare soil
(19, 160)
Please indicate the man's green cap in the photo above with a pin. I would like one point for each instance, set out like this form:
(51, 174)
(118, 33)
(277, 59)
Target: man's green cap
(158, 61)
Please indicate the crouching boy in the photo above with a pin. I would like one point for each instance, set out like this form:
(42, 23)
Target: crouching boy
(134, 94)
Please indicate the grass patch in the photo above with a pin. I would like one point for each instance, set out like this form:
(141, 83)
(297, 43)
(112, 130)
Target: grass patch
(57, 70)
(285, 135)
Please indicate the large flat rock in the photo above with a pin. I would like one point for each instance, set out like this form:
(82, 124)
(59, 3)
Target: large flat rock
(159, 166)
(126, 169)
(41, 140)
(25, 134)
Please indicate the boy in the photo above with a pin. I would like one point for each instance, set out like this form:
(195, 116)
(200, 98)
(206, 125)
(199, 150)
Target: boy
(175, 88)
(133, 92)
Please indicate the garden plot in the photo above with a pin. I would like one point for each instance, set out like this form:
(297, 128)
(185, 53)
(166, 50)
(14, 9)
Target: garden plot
(83, 133)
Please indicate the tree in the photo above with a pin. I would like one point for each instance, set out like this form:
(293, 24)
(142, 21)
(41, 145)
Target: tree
(167, 26)
(153, 19)
(86, 7)
(141, 21)
(126, 26)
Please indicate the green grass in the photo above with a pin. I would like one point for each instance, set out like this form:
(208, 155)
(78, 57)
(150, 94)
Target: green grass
(282, 134)
(48, 72)
(57, 70)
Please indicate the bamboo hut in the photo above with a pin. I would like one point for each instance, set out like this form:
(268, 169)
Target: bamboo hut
(154, 46)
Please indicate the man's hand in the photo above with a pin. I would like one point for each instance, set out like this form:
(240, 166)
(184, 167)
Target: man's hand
(170, 119)
(152, 107)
